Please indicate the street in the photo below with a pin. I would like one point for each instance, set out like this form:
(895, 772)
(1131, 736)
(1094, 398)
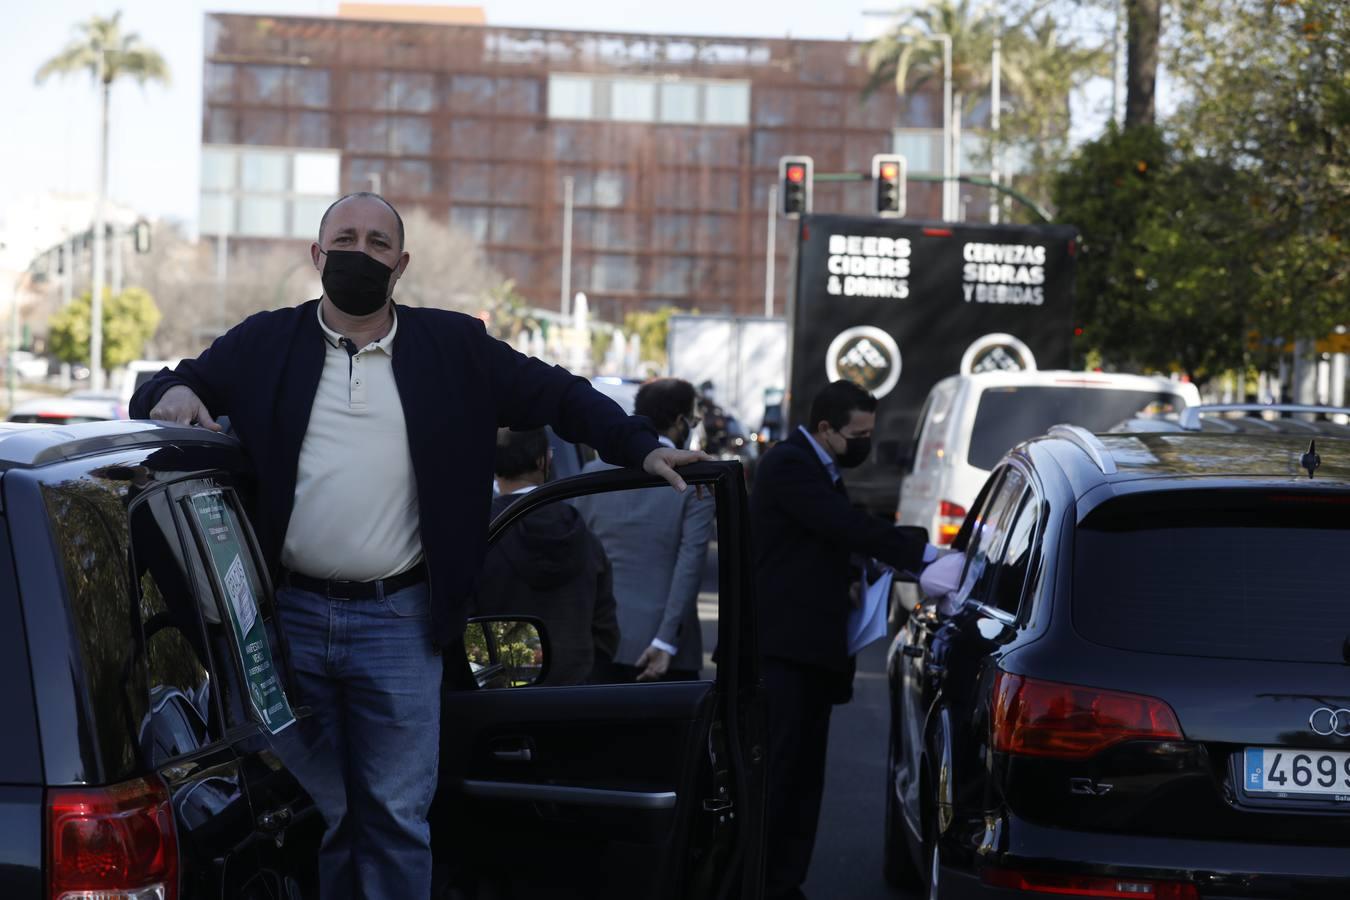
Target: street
(847, 861)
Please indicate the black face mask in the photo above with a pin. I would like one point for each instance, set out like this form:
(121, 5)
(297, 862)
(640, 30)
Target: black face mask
(856, 453)
(356, 283)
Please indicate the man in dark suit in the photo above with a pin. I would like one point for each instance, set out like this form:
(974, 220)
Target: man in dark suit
(549, 565)
(805, 531)
(371, 427)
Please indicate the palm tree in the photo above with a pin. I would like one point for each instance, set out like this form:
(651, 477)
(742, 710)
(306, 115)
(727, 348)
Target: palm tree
(107, 54)
(1044, 68)
(911, 54)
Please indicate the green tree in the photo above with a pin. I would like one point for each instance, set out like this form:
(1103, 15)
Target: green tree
(1267, 91)
(102, 49)
(910, 55)
(509, 311)
(129, 320)
(1041, 67)
(1046, 66)
(1164, 275)
(652, 328)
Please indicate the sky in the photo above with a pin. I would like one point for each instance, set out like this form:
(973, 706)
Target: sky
(156, 131)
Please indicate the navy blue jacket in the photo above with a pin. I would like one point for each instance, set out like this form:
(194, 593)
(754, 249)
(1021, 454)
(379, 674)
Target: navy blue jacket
(804, 531)
(457, 385)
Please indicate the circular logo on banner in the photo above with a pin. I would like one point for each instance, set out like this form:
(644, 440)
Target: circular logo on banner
(997, 353)
(867, 356)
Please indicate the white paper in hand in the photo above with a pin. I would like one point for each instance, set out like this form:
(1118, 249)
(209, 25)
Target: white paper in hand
(867, 623)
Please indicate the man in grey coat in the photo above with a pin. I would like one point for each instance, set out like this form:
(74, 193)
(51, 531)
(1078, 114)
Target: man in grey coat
(657, 542)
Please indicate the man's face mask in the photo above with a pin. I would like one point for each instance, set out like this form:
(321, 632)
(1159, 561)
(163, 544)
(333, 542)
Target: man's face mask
(356, 283)
(856, 451)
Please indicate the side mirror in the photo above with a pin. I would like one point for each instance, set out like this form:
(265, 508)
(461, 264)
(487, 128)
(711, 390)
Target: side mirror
(506, 653)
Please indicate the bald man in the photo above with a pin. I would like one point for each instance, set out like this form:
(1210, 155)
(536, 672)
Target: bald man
(373, 429)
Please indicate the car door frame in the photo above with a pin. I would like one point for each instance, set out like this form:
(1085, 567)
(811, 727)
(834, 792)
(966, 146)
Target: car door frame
(735, 688)
(284, 814)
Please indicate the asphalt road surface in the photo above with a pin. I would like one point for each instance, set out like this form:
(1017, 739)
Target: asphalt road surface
(847, 861)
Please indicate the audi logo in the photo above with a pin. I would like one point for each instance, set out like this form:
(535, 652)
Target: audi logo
(1327, 721)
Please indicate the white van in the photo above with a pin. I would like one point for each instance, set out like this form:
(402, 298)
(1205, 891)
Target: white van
(138, 372)
(969, 421)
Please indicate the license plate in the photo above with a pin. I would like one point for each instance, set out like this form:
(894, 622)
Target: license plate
(1312, 774)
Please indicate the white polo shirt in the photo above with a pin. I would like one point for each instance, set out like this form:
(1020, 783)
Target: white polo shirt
(355, 516)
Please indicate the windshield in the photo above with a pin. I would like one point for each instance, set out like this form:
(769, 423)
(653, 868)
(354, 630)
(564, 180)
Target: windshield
(1007, 416)
(1235, 577)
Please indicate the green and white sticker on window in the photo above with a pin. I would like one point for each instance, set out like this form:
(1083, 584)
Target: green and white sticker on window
(221, 532)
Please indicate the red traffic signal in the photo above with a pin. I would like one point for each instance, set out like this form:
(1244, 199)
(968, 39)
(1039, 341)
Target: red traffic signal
(888, 171)
(795, 176)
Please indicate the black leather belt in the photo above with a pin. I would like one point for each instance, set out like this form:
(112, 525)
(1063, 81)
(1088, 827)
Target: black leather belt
(357, 590)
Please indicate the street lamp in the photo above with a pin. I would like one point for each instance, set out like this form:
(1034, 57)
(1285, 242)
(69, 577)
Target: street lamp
(948, 153)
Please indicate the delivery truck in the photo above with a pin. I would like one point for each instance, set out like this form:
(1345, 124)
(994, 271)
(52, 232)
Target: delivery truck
(896, 306)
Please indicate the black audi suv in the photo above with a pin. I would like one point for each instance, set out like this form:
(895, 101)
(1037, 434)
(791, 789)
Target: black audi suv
(1142, 687)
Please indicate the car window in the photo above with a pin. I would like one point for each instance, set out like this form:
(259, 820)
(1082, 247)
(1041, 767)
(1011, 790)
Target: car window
(1008, 584)
(1006, 416)
(613, 578)
(1240, 575)
(89, 529)
(180, 628)
(989, 536)
(229, 562)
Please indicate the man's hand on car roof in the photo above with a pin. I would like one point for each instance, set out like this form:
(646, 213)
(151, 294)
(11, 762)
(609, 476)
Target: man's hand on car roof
(183, 407)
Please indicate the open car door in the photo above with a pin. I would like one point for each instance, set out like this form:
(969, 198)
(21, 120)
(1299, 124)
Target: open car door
(560, 774)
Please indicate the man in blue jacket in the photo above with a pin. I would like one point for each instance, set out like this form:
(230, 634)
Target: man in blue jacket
(372, 428)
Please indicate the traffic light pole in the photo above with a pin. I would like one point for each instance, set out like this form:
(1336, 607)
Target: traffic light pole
(938, 179)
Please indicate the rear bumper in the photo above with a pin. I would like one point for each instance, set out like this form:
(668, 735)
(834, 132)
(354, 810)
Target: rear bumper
(1221, 870)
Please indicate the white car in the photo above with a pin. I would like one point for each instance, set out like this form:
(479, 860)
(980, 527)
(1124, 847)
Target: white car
(969, 421)
(69, 410)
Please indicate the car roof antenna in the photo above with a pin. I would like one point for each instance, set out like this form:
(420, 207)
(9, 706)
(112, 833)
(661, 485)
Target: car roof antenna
(1310, 460)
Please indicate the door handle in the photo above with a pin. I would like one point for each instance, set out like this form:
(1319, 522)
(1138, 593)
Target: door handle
(520, 749)
(522, 754)
(274, 820)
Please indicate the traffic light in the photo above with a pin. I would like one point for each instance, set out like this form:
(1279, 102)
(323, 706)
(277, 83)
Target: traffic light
(888, 171)
(140, 233)
(795, 174)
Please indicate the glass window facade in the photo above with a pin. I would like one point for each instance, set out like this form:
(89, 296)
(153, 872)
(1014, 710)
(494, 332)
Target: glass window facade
(570, 97)
(672, 143)
(648, 99)
(632, 101)
(726, 104)
(679, 103)
(252, 192)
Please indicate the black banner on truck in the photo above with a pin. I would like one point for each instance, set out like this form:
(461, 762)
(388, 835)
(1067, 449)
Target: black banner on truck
(897, 306)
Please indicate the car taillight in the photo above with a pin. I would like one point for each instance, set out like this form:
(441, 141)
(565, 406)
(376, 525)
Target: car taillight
(1065, 721)
(112, 843)
(950, 517)
(1086, 886)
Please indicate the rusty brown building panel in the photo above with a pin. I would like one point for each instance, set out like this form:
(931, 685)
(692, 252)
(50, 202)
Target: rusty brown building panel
(458, 119)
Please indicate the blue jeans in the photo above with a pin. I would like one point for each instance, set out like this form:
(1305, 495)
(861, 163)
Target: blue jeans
(371, 676)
